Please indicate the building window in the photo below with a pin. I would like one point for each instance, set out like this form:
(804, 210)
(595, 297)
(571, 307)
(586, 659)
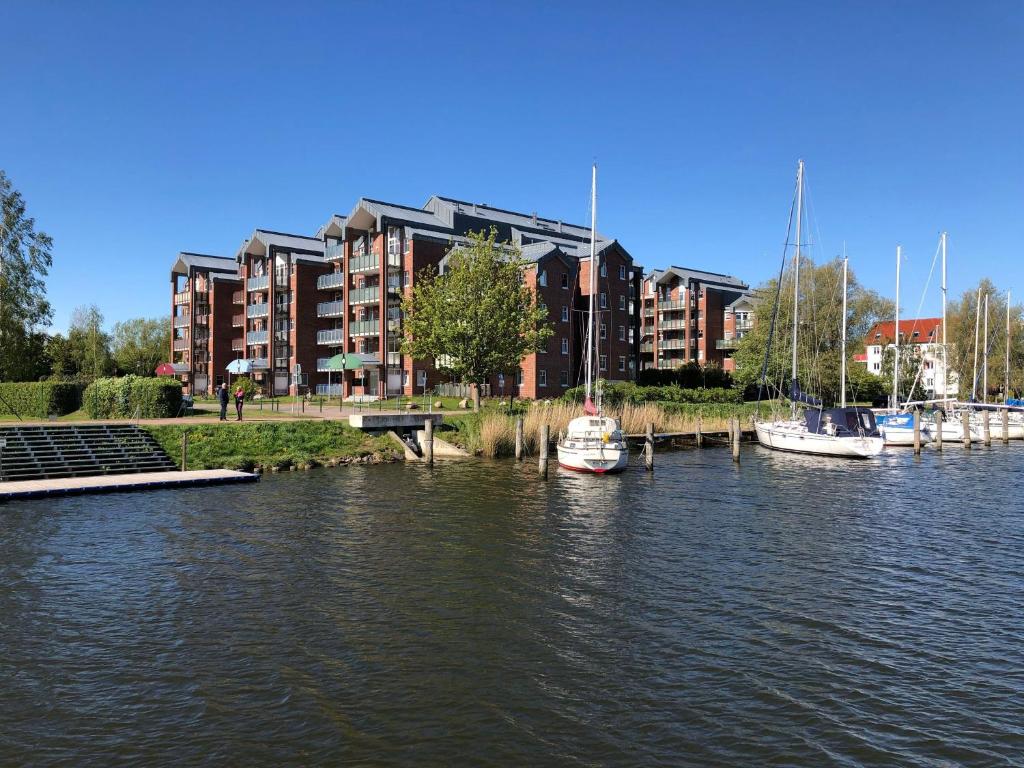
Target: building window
(405, 378)
(604, 270)
(519, 377)
(604, 362)
(622, 333)
(565, 281)
(622, 271)
(622, 301)
(542, 378)
(563, 379)
(604, 331)
(622, 362)
(604, 301)
(421, 378)
(565, 346)
(565, 314)
(542, 279)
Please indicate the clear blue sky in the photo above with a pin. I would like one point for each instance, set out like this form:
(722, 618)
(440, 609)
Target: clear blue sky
(136, 130)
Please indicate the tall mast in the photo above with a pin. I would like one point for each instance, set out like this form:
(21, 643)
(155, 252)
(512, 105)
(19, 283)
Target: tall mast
(591, 335)
(977, 321)
(984, 364)
(796, 279)
(945, 367)
(1006, 382)
(842, 363)
(896, 357)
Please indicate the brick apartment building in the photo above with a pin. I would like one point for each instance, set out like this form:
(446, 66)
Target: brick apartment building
(296, 300)
(691, 315)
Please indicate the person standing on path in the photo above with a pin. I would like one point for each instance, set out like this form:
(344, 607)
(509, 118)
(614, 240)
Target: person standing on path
(239, 400)
(222, 395)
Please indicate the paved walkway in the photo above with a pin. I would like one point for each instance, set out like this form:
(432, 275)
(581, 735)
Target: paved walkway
(34, 489)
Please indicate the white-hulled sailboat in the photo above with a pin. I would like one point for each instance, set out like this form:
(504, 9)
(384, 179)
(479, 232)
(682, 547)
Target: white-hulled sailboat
(593, 442)
(842, 432)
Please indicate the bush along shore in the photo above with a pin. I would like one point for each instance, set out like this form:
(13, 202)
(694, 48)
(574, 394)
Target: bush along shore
(274, 446)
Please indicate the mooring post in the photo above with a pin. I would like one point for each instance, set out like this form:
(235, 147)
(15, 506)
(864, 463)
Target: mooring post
(986, 429)
(735, 424)
(938, 430)
(917, 432)
(321, 405)
(965, 422)
(1006, 427)
(184, 450)
(700, 436)
(519, 438)
(649, 448)
(542, 465)
(428, 441)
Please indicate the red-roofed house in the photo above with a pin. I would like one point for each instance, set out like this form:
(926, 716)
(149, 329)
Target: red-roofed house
(924, 336)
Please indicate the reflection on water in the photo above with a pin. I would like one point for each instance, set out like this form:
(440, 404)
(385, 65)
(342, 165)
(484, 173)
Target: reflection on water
(789, 610)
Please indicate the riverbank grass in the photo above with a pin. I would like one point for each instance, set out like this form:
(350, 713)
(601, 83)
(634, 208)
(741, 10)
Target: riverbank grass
(268, 445)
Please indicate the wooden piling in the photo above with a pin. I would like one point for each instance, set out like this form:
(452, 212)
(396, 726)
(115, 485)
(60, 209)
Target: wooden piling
(428, 441)
(1006, 427)
(734, 425)
(649, 448)
(519, 438)
(699, 436)
(986, 430)
(184, 451)
(965, 421)
(938, 430)
(917, 433)
(542, 466)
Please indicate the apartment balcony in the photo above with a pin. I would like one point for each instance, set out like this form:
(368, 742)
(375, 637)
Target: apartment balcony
(260, 364)
(260, 283)
(669, 325)
(395, 260)
(672, 344)
(182, 298)
(334, 336)
(330, 309)
(202, 319)
(366, 263)
(180, 345)
(648, 313)
(181, 321)
(333, 281)
(238, 297)
(745, 326)
(394, 360)
(321, 364)
(648, 347)
(257, 337)
(334, 251)
(727, 343)
(237, 321)
(364, 295)
(673, 306)
(364, 328)
(238, 345)
(257, 310)
(281, 363)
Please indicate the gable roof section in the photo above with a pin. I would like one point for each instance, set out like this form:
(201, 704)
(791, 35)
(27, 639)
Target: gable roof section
(187, 260)
(929, 330)
(302, 246)
(714, 279)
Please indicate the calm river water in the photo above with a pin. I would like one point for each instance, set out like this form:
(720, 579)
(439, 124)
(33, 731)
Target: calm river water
(785, 612)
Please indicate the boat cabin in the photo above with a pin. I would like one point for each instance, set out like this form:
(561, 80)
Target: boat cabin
(842, 422)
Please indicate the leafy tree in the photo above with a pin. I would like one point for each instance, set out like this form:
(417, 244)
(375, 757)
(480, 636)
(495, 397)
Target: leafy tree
(25, 261)
(141, 344)
(911, 384)
(87, 348)
(960, 323)
(820, 338)
(479, 318)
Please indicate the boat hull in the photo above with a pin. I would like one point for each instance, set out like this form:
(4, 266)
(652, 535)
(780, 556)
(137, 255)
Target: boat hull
(794, 437)
(598, 461)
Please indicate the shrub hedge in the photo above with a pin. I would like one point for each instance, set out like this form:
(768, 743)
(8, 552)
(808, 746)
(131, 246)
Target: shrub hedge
(131, 396)
(627, 392)
(40, 399)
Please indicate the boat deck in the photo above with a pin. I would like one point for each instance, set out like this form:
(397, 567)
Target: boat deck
(37, 489)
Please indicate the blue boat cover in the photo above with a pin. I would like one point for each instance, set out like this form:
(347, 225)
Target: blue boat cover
(848, 421)
(1015, 402)
(798, 396)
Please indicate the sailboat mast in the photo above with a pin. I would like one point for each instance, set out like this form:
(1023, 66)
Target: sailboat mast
(591, 336)
(842, 360)
(896, 357)
(796, 278)
(977, 321)
(984, 364)
(1006, 382)
(945, 367)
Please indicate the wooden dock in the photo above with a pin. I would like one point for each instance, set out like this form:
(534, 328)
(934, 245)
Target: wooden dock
(38, 489)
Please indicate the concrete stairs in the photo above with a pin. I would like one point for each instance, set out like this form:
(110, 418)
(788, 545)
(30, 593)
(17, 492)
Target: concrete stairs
(67, 451)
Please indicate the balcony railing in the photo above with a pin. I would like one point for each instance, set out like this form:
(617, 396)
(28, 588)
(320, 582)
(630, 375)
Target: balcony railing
(363, 263)
(668, 325)
(202, 319)
(331, 281)
(330, 309)
(237, 321)
(260, 363)
(181, 321)
(260, 283)
(237, 344)
(648, 347)
(180, 345)
(182, 298)
(364, 328)
(672, 306)
(332, 336)
(334, 251)
(394, 359)
(364, 295)
(746, 325)
(395, 260)
(281, 363)
(257, 337)
(257, 310)
(727, 343)
(238, 297)
(672, 344)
